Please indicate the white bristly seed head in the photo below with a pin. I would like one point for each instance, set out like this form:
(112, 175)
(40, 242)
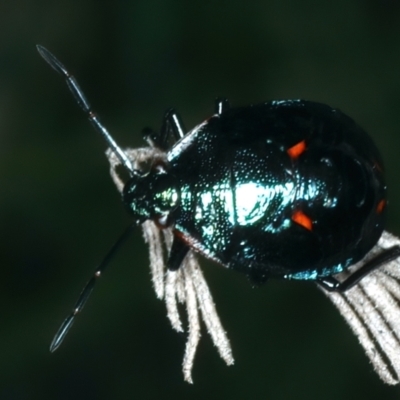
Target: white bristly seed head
(187, 285)
(372, 309)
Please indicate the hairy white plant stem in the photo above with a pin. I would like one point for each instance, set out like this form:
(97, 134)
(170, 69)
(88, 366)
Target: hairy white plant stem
(187, 285)
(372, 310)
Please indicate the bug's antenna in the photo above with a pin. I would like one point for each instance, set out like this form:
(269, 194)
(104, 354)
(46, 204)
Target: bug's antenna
(84, 104)
(87, 290)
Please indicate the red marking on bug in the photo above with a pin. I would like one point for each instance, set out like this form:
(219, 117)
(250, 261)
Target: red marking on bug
(381, 205)
(296, 150)
(302, 219)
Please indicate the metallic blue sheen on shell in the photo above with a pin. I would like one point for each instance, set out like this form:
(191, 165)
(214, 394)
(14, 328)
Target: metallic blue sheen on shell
(234, 188)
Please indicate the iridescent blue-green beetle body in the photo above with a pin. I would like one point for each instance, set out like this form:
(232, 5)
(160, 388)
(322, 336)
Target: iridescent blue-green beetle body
(287, 189)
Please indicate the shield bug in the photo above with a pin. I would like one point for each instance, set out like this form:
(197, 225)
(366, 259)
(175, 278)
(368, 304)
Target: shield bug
(288, 189)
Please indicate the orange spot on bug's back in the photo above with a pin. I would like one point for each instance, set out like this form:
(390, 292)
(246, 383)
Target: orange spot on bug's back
(302, 219)
(381, 205)
(296, 150)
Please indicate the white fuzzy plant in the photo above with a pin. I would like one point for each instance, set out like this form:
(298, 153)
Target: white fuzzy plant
(187, 285)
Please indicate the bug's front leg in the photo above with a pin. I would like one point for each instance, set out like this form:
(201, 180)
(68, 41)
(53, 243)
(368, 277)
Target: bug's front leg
(177, 253)
(172, 128)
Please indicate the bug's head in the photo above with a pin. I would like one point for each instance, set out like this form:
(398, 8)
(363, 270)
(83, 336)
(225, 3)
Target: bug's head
(153, 195)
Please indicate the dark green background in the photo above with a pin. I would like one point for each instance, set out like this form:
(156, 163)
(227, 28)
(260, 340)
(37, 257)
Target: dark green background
(60, 212)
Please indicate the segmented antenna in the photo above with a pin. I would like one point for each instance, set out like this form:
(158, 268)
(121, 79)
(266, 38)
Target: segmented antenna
(84, 104)
(87, 290)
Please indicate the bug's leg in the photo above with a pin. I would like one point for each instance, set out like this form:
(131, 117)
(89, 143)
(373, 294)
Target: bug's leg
(221, 105)
(87, 290)
(171, 128)
(177, 254)
(80, 98)
(333, 285)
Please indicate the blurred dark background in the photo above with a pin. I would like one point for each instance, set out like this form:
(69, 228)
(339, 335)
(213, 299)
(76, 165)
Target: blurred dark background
(60, 212)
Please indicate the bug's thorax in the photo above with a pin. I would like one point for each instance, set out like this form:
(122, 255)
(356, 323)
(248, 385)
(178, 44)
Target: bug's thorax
(153, 195)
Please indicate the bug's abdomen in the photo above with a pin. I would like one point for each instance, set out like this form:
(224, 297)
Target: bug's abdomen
(291, 190)
(323, 216)
(239, 202)
(343, 194)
